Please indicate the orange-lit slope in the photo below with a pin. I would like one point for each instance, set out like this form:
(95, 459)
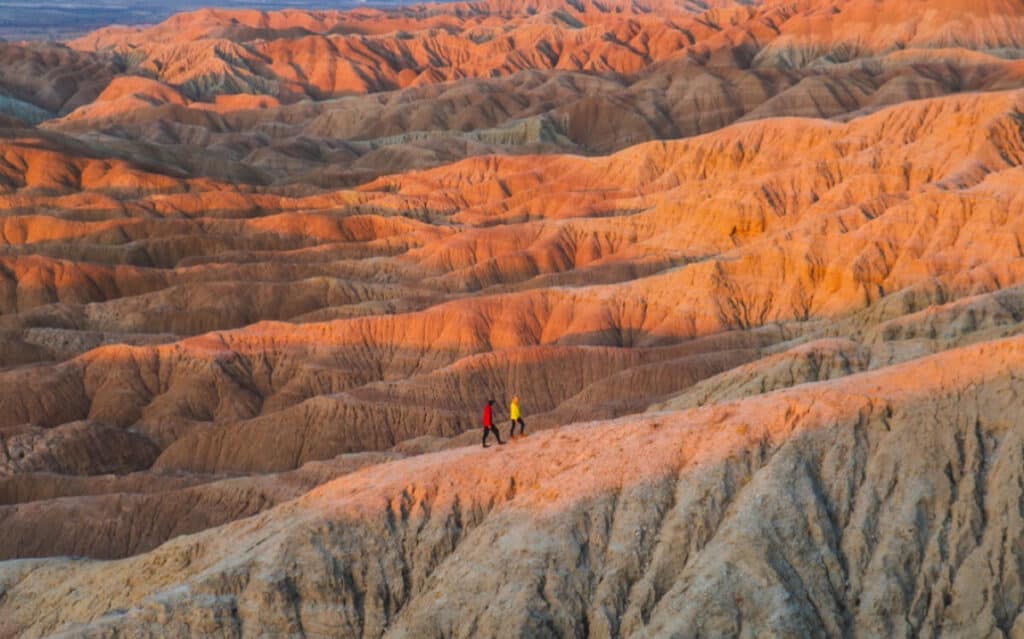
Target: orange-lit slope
(645, 526)
(754, 270)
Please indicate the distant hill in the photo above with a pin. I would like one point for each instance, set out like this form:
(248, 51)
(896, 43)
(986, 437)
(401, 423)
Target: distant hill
(753, 268)
(43, 21)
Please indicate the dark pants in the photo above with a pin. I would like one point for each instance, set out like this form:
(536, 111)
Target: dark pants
(522, 427)
(491, 429)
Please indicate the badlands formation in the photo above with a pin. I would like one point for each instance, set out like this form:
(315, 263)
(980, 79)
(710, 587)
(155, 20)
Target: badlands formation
(756, 270)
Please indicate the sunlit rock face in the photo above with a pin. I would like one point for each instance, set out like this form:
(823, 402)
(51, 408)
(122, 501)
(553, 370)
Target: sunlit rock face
(754, 270)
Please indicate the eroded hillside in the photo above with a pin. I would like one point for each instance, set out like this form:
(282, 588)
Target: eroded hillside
(755, 269)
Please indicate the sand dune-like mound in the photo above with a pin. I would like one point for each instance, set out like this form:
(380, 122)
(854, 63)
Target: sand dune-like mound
(819, 490)
(358, 366)
(367, 93)
(52, 77)
(125, 94)
(838, 31)
(754, 270)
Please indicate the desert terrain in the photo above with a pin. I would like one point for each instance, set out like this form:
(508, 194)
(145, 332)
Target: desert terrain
(755, 270)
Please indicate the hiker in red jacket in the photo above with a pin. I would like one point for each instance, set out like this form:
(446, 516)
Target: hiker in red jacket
(489, 426)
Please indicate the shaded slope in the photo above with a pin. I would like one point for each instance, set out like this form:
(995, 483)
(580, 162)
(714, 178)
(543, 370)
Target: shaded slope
(754, 514)
(775, 248)
(937, 215)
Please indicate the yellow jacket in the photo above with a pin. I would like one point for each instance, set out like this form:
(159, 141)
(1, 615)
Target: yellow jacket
(513, 411)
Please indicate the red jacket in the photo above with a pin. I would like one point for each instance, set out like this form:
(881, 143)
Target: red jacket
(488, 420)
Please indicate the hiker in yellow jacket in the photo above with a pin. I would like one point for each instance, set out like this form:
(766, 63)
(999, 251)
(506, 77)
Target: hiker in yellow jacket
(516, 417)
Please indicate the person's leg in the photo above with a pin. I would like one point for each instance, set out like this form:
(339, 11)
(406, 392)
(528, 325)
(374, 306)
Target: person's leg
(493, 430)
(487, 431)
(522, 427)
